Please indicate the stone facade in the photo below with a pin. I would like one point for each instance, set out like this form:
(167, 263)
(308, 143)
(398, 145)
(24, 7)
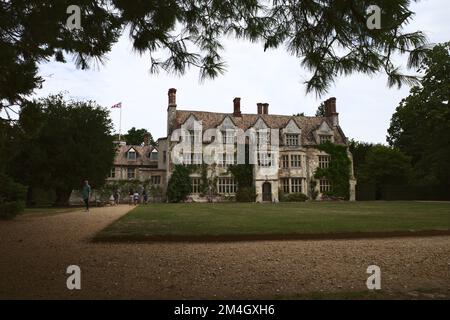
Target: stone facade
(293, 161)
(139, 163)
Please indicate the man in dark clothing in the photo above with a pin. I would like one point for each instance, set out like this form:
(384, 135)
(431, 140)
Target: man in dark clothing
(116, 197)
(86, 193)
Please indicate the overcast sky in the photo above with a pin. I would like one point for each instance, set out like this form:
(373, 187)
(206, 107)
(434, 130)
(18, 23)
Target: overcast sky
(365, 103)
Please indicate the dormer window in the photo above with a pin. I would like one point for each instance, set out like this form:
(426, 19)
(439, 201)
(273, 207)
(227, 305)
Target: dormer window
(153, 155)
(131, 155)
(292, 139)
(324, 139)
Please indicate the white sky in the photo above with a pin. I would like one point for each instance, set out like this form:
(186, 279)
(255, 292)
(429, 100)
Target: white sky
(365, 104)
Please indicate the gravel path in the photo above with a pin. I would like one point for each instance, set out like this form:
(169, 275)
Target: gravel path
(36, 250)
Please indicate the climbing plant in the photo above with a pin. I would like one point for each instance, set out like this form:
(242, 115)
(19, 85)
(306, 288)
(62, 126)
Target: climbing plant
(243, 175)
(338, 171)
(179, 184)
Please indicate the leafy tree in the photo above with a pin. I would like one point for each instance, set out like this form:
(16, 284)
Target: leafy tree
(136, 137)
(178, 34)
(321, 110)
(420, 126)
(359, 152)
(12, 194)
(179, 184)
(385, 166)
(12, 197)
(61, 144)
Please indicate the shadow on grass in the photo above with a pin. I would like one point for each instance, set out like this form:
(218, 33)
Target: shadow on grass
(105, 237)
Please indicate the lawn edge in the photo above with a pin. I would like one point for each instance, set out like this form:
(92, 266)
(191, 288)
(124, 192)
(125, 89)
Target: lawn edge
(99, 238)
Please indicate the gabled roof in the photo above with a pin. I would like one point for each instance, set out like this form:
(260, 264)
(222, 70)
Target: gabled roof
(142, 158)
(212, 119)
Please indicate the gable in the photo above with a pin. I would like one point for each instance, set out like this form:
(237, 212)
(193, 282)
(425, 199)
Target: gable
(192, 123)
(260, 124)
(308, 126)
(227, 124)
(132, 150)
(291, 127)
(324, 128)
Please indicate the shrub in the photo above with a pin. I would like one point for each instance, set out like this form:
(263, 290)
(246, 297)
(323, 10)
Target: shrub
(179, 185)
(246, 194)
(294, 197)
(12, 198)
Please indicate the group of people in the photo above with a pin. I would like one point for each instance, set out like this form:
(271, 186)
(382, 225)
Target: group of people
(138, 197)
(135, 197)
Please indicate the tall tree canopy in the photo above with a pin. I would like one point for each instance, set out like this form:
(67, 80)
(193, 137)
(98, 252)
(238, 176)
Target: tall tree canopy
(385, 166)
(420, 126)
(359, 152)
(60, 144)
(136, 137)
(329, 37)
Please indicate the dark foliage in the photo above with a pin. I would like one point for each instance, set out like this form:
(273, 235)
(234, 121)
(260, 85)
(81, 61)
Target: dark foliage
(246, 194)
(293, 197)
(61, 144)
(179, 34)
(136, 137)
(420, 126)
(12, 197)
(179, 185)
(338, 172)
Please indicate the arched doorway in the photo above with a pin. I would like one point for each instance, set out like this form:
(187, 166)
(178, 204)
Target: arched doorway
(267, 191)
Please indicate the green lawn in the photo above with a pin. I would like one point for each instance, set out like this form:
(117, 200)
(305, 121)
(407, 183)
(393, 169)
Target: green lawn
(166, 221)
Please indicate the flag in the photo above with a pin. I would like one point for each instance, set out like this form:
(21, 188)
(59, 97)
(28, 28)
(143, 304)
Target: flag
(119, 105)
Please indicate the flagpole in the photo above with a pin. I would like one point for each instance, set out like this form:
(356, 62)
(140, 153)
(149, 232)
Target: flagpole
(120, 124)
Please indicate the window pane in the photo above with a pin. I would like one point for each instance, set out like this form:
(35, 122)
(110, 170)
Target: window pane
(296, 161)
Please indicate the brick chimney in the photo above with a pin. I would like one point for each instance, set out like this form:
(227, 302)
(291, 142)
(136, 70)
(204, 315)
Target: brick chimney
(171, 110)
(260, 108)
(330, 111)
(172, 97)
(265, 108)
(237, 107)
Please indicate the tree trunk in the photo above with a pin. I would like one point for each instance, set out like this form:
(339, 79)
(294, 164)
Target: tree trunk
(62, 197)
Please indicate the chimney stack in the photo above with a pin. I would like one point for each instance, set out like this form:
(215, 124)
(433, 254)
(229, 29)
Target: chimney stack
(263, 108)
(171, 110)
(172, 97)
(260, 108)
(330, 111)
(237, 107)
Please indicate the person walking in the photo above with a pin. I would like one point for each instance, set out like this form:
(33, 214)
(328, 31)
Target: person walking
(136, 198)
(86, 193)
(116, 197)
(131, 197)
(145, 194)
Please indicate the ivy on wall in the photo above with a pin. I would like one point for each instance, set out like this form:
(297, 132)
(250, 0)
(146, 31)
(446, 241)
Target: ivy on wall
(243, 175)
(338, 171)
(179, 185)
